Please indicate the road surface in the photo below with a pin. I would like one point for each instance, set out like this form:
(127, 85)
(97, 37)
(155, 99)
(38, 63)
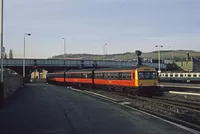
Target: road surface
(40, 108)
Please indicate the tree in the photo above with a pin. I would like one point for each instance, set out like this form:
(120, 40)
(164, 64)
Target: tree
(11, 54)
(5, 57)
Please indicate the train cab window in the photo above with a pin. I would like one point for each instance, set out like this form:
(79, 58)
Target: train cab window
(141, 75)
(146, 75)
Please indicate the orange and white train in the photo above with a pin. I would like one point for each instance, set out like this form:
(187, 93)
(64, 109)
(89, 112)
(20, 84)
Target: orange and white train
(135, 80)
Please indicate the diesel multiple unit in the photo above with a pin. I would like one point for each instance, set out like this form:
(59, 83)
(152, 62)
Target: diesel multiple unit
(134, 80)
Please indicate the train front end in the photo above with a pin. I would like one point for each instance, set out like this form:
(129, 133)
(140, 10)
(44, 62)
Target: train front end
(146, 80)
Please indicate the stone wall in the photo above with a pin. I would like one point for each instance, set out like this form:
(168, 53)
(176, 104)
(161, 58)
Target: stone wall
(11, 84)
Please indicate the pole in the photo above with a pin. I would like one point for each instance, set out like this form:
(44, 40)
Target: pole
(24, 57)
(172, 55)
(159, 59)
(1, 84)
(64, 47)
(104, 48)
(2, 41)
(103, 51)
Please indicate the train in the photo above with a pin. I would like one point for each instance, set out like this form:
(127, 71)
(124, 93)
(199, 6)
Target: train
(179, 77)
(137, 80)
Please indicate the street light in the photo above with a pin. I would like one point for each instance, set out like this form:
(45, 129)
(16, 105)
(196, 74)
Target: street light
(159, 46)
(64, 47)
(172, 53)
(26, 34)
(104, 50)
(1, 43)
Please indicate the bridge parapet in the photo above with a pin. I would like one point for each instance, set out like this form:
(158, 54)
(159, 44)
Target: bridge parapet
(72, 63)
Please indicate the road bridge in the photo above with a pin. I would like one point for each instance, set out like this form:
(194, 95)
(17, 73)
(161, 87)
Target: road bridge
(52, 65)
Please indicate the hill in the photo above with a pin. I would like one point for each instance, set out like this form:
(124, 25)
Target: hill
(177, 55)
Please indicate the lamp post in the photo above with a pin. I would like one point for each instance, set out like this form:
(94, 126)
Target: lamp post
(1, 84)
(104, 50)
(24, 70)
(159, 46)
(2, 42)
(64, 47)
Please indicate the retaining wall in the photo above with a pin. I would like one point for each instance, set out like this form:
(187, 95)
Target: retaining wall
(11, 85)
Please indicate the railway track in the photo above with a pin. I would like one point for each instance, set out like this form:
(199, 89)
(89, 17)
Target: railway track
(181, 103)
(182, 112)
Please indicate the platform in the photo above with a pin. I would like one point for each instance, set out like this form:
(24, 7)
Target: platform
(40, 108)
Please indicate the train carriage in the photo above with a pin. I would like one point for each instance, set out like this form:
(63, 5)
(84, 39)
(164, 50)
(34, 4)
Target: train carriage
(137, 79)
(82, 77)
(132, 79)
(180, 77)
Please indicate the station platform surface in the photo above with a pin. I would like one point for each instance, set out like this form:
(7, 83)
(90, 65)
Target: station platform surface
(40, 108)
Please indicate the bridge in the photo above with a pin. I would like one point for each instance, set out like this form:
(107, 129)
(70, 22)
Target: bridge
(52, 65)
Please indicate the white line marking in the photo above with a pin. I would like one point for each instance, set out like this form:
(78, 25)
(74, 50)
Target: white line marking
(75, 89)
(185, 93)
(100, 95)
(124, 103)
(179, 86)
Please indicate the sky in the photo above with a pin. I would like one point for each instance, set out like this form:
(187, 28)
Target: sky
(87, 25)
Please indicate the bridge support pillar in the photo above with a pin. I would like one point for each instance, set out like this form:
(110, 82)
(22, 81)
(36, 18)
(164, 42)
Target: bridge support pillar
(1, 94)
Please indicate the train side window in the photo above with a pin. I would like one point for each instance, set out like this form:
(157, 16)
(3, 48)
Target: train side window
(171, 75)
(68, 75)
(176, 75)
(105, 76)
(129, 76)
(181, 75)
(102, 76)
(112, 75)
(116, 76)
(119, 75)
(109, 75)
(89, 75)
(189, 75)
(97, 75)
(124, 76)
(194, 75)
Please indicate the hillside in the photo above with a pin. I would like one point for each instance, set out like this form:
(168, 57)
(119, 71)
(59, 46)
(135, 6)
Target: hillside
(178, 55)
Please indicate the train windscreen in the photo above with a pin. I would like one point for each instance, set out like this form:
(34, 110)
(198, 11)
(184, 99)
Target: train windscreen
(147, 75)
